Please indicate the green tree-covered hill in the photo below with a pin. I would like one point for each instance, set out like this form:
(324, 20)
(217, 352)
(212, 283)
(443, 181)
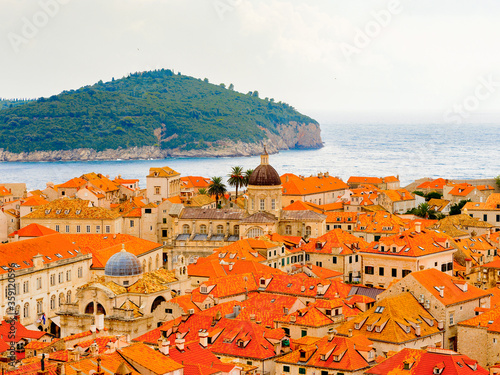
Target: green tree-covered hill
(144, 109)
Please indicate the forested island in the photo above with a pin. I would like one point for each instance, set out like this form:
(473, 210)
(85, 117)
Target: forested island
(150, 114)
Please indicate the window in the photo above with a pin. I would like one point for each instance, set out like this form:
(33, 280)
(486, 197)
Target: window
(185, 229)
(303, 333)
(356, 258)
(39, 283)
(236, 230)
(450, 266)
(302, 370)
(67, 228)
(61, 299)
(78, 228)
(132, 223)
(405, 272)
(68, 275)
(262, 204)
(157, 190)
(168, 311)
(53, 279)
(498, 218)
(286, 368)
(26, 310)
(220, 229)
(26, 286)
(147, 210)
(273, 204)
(80, 272)
(255, 232)
(350, 258)
(164, 220)
(394, 272)
(288, 230)
(164, 233)
(203, 229)
(52, 302)
(443, 267)
(381, 271)
(39, 306)
(451, 319)
(98, 229)
(57, 228)
(108, 229)
(308, 231)
(252, 204)
(334, 260)
(369, 270)
(485, 217)
(68, 297)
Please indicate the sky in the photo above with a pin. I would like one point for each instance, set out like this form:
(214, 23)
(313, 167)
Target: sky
(350, 60)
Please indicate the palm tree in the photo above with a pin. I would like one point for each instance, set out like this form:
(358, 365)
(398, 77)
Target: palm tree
(236, 178)
(217, 188)
(248, 172)
(202, 191)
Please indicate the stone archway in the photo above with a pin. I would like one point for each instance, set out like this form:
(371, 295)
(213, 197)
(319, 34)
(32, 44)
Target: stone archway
(158, 300)
(89, 309)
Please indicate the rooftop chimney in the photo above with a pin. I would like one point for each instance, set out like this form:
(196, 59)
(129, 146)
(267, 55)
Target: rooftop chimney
(203, 335)
(417, 330)
(180, 344)
(441, 291)
(163, 346)
(418, 226)
(350, 332)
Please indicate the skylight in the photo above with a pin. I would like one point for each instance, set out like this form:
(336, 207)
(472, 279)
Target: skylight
(49, 258)
(70, 253)
(59, 255)
(421, 248)
(379, 309)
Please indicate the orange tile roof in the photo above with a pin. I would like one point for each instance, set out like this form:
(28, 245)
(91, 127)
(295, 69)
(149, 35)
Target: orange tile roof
(149, 358)
(411, 244)
(4, 191)
(103, 246)
(185, 303)
(329, 207)
(316, 271)
(309, 316)
(368, 180)
(462, 190)
(426, 362)
(495, 296)
(72, 209)
(34, 200)
(338, 353)
(162, 172)
(379, 222)
(75, 183)
(195, 182)
(489, 320)
(336, 242)
(438, 183)
(492, 204)
(312, 185)
(341, 217)
(33, 230)
(176, 199)
(303, 206)
(453, 288)
(21, 253)
(395, 317)
(398, 195)
(474, 247)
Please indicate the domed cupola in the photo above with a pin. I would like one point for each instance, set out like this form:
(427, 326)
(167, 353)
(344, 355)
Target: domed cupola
(123, 265)
(264, 188)
(264, 174)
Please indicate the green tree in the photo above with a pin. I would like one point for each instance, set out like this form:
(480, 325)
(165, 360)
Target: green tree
(247, 175)
(217, 188)
(236, 178)
(456, 209)
(433, 195)
(417, 192)
(497, 180)
(202, 191)
(231, 87)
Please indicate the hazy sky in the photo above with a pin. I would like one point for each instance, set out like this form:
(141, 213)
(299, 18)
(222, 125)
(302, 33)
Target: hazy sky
(329, 59)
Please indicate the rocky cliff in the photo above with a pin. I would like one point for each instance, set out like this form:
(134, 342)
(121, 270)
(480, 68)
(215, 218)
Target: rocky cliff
(291, 136)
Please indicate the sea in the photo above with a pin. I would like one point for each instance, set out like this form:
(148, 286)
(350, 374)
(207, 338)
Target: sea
(408, 151)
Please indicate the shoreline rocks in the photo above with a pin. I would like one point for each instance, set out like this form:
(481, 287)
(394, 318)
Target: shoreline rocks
(291, 136)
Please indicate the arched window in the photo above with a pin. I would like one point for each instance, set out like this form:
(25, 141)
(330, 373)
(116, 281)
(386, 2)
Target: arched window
(53, 302)
(185, 229)
(236, 230)
(255, 232)
(157, 261)
(308, 230)
(68, 297)
(144, 265)
(150, 265)
(220, 229)
(26, 310)
(288, 230)
(203, 229)
(61, 299)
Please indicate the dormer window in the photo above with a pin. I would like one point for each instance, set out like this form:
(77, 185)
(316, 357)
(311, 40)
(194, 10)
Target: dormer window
(203, 289)
(47, 211)
(382, 248)
(66, 212)
(262, 281)
(302, 354)
(240, 344)
(78, 212)
(58, 212)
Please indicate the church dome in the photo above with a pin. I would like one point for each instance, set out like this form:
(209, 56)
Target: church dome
(123, 264)
(264, 174)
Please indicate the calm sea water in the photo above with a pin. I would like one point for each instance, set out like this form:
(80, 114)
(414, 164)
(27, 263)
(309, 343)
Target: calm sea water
(410, 151)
